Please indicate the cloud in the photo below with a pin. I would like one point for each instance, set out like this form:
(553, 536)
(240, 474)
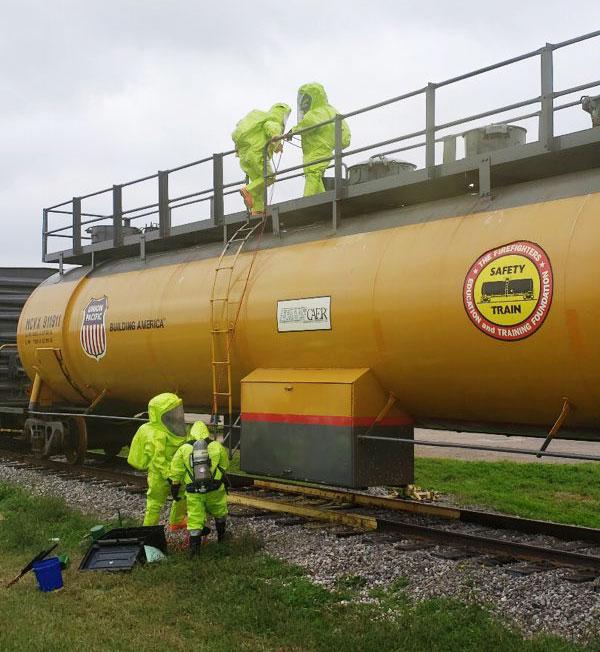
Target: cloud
(99, 93)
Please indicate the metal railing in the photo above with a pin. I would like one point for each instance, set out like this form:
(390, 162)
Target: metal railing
(428, 137)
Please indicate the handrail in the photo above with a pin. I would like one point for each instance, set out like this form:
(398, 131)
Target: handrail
(220, 189)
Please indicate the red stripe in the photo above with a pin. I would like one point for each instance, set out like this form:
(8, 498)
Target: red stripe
(324, 420)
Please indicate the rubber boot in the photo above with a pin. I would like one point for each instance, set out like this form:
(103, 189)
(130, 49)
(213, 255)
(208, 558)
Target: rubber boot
(195, 543)
(220, 524)
(204, 534)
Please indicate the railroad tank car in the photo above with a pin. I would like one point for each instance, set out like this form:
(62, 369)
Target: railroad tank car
(398, 305)
(463, 295)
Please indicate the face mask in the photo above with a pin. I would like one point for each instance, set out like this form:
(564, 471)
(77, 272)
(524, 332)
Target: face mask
(304, 103)
(174, 421)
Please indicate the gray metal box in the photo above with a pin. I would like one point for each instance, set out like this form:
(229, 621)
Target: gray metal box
(305, 424)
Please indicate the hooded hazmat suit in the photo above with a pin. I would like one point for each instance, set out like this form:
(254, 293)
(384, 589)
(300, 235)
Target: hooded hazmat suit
(250, 136)
(314, 108)
(213, 503)
(159, 444)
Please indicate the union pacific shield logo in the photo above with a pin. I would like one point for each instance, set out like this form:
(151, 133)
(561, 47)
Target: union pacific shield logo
(93, 328)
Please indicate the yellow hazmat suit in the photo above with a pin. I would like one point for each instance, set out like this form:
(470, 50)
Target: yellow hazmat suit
(318, 143)
(199, 505)
(153, 447)
(250, 137)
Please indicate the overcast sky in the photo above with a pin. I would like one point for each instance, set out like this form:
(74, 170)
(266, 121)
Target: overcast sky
(96, 93)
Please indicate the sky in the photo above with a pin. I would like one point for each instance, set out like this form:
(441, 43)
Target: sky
(98, 93)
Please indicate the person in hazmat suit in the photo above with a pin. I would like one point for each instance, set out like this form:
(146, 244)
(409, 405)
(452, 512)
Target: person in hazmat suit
(251, 135)
(319, 143)
(152, 449)
(200, 466)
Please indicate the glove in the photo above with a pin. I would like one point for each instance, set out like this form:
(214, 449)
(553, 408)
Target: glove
(175, 491)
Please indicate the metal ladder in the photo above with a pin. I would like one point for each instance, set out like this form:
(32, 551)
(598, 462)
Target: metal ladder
(225, 306)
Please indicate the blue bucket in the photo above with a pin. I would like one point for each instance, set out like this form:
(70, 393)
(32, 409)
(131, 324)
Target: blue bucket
(48, 574)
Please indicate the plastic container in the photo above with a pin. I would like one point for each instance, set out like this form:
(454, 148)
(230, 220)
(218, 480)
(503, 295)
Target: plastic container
(150, 535)
(48, 574)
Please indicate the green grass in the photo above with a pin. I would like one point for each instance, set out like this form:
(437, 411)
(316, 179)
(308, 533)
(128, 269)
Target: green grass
(566, 493)
(233, 598)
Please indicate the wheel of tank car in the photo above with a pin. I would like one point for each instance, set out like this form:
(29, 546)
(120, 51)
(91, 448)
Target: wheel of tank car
(76, 441)
(28, 438)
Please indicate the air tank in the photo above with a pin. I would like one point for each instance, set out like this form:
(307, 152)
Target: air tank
(485, 320)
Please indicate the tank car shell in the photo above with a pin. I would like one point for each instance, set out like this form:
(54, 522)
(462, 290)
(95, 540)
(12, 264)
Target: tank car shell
(397, 307)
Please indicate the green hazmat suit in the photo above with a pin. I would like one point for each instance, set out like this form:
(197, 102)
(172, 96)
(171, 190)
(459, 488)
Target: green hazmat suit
(250, 136)
(213, 503)
(314, 108)
(159, 446)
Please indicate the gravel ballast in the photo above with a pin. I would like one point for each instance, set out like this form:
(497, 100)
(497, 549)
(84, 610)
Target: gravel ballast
(542, 601)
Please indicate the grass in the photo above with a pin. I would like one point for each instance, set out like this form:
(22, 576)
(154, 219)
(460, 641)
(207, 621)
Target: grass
(233, 598)
(566, 493)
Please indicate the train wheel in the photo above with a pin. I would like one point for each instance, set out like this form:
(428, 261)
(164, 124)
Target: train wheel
(77, 440)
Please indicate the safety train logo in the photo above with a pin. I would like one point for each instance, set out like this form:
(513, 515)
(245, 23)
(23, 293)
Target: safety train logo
(93, 328)
(508, 291)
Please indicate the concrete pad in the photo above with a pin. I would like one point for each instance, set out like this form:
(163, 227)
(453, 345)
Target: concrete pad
(529, 443)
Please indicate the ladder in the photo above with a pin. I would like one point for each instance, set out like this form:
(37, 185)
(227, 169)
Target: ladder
(225, 305)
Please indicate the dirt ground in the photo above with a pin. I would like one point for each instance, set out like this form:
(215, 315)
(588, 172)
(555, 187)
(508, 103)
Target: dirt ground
(528, 443)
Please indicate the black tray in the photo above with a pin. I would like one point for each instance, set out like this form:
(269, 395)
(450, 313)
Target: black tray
(113, 555)
(151, 535)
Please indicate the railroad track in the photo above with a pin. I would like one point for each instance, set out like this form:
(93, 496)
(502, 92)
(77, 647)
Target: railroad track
(361, 513)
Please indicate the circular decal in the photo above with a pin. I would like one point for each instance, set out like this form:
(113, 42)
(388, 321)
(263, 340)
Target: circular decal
(508, 290)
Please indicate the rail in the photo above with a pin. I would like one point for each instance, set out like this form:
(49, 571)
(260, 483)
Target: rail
(120, 220)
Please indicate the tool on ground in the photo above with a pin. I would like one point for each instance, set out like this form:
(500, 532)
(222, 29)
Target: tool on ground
(64, 560)
(41, 555)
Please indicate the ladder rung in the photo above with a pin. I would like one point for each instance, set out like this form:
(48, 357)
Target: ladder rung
(220, 299)
(221, 362)
(221, 330)
(219, 269)
(222, 393)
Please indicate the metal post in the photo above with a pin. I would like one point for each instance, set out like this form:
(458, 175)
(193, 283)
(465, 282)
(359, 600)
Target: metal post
(430, 129)
(546, 122)
(338, 179)
(143, 247)
(275, 221)
(265, 176)
(218, 204)
(44, 234)
(76, 226)
(117, 216)
(164, 214)
(485, 177)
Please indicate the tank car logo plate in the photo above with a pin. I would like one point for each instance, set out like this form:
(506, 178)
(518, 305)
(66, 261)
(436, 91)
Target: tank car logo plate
(508, 290)
(93, 328)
